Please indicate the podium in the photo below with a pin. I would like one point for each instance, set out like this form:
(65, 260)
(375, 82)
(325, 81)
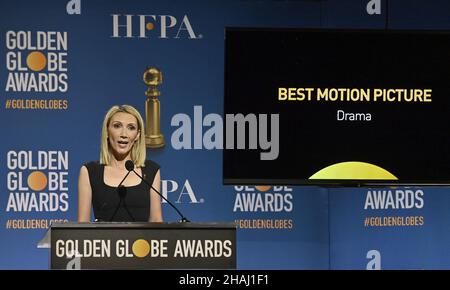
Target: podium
(113, 245)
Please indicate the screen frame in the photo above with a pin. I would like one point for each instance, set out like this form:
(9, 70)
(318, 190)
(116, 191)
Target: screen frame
(321, 182)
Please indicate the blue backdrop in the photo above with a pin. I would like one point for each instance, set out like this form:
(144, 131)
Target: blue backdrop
(63, 64)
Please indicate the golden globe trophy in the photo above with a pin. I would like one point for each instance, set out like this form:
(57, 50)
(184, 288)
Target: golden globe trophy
(153, 137)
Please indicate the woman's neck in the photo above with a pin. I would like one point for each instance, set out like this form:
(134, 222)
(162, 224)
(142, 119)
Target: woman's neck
(118, 162)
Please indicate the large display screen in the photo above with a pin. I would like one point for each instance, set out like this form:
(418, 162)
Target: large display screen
(306, 106)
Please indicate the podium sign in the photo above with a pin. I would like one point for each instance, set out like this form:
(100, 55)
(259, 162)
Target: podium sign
(142, 246)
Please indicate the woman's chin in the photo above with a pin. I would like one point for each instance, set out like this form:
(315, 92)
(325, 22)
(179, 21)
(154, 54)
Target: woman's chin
(120, 152)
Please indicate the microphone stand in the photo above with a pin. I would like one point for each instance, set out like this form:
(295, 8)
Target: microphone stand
(120, 191)
(122, 194)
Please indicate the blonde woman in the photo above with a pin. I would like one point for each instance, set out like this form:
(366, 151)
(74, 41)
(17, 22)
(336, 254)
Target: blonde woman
(122, 139)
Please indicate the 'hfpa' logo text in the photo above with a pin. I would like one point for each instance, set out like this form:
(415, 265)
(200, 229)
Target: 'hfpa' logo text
(144, 26)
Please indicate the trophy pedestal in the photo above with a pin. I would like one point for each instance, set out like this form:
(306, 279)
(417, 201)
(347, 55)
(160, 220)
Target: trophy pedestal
(154, 141)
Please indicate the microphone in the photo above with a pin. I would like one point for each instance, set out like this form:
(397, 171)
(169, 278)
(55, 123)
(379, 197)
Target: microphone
(129, 165)
(122, 192)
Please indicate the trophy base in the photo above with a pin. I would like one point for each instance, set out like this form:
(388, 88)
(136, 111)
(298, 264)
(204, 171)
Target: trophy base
(155, 141)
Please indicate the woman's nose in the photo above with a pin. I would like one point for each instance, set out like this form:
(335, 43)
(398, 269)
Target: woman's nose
(123, 133)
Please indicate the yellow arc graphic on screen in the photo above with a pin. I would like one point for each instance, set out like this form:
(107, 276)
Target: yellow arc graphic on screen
(353, 170)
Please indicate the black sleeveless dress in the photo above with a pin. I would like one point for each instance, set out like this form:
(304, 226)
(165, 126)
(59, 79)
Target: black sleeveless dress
(129, 204)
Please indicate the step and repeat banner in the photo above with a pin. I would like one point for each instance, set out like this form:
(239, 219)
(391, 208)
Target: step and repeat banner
(389, 228)
(63, 64)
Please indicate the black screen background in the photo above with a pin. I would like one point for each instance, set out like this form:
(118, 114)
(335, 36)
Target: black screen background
(410, 140)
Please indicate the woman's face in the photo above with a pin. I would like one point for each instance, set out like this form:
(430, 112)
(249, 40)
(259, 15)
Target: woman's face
(122, 133)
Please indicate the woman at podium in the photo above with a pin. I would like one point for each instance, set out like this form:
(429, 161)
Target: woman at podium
(112, 186)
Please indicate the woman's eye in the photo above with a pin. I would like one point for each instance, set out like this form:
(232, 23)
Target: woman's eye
(132, 128)
(116, 125)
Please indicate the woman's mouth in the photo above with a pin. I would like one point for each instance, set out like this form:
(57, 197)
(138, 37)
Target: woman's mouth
(123, 144)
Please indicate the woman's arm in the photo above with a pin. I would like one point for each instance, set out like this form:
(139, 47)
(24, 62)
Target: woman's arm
(155, 200)
(84, 196)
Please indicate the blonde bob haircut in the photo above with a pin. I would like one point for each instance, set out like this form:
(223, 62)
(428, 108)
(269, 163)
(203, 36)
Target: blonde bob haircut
(138, 151)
